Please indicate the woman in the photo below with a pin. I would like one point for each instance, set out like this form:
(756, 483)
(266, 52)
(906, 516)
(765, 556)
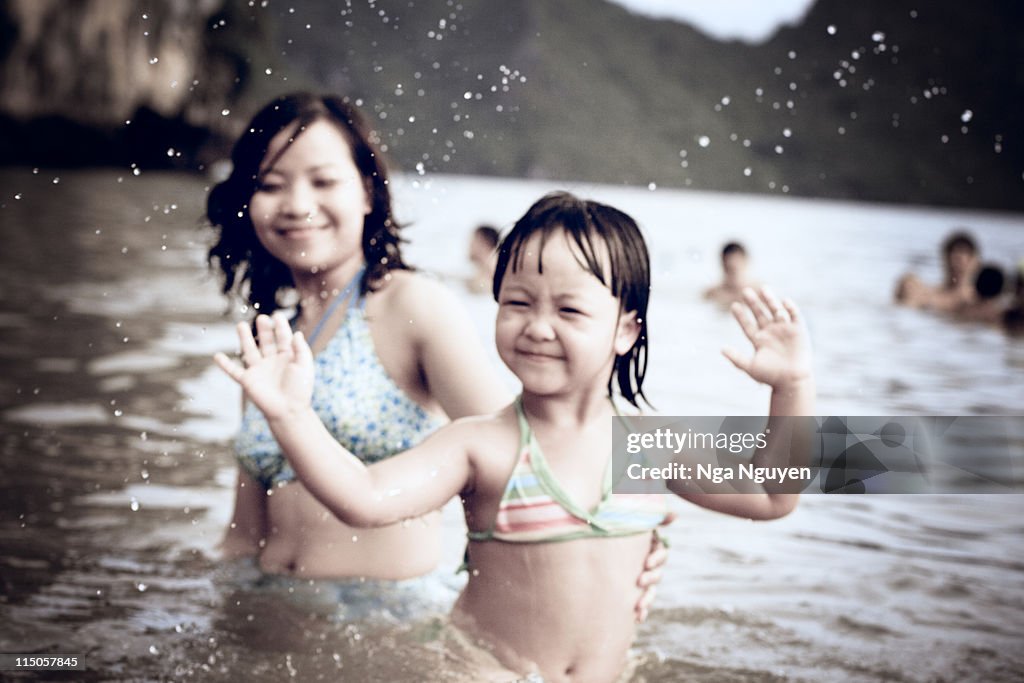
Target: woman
(306, 212)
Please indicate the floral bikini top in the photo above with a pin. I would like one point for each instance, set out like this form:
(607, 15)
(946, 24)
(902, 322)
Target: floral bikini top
(357, 401)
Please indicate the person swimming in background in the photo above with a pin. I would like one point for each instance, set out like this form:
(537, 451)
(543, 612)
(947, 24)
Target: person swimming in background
(304, 219)
(483, 256)
(735, 277)
(1013, 317)
(552, 551)
(988, 306)
(960, 261)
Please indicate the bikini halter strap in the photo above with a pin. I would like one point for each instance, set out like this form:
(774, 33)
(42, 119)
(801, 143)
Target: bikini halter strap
(342, 295)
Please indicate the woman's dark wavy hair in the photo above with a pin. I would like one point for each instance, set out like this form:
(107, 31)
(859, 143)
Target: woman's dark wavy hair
(248, 268)
(603, 236)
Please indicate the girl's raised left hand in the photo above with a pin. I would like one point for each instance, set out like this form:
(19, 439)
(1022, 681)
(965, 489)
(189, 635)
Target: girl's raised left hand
(782, 351)
(278, 371)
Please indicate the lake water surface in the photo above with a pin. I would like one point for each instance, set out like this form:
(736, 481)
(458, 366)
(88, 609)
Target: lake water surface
(116, 477)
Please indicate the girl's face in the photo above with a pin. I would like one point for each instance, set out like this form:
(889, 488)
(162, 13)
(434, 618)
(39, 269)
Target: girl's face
(559, 331)
(309, 206)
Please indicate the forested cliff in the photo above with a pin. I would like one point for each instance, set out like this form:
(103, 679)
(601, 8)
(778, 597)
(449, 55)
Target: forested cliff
(894, 101)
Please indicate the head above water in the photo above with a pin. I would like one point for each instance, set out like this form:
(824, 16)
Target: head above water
(487, 234)
(733, 248)
(246, 265)
(482, 245)
(959, 256)
(610, 247)
(989, 282)
(734, 262)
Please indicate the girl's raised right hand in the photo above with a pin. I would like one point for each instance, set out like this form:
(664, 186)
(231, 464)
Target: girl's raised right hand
(277, 374)
(782, 350)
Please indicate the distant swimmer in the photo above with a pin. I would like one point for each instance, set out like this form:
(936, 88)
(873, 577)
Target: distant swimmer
(988, 306)
(1013, 317)
(483, 257)
(735, 276)
(960, 259)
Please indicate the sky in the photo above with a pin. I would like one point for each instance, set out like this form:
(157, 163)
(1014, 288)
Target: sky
(749, 20)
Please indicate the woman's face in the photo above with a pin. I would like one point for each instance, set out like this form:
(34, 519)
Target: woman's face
(310, 202)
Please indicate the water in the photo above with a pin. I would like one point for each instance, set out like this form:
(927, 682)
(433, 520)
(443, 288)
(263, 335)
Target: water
(115, 478)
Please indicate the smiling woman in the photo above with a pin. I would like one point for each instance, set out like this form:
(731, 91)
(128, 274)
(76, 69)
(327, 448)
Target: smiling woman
(307, 212)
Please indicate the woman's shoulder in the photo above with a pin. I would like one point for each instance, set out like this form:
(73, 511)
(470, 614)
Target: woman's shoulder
(411, 287)
(414, 295)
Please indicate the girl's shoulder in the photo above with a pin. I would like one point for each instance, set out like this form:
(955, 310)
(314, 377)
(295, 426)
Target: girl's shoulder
(490, 439)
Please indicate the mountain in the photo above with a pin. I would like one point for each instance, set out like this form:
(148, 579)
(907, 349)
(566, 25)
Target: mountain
(892, 101)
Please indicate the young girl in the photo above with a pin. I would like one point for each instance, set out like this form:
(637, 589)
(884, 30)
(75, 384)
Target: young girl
(552, 552)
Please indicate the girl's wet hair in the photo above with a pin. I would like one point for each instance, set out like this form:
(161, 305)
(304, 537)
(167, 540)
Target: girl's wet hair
(248, 268)
(610, 247)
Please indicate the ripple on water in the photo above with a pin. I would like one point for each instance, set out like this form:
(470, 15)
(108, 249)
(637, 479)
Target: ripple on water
(59, 414)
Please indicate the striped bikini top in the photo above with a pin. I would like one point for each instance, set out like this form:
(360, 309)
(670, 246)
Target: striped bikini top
(353, 395)
(535, 509)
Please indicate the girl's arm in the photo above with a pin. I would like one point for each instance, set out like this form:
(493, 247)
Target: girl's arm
(248, 522)
(278, 378)
(782, 359)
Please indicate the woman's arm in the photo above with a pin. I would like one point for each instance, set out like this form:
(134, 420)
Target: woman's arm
(782, 359)
(248, 522)
(279, 380)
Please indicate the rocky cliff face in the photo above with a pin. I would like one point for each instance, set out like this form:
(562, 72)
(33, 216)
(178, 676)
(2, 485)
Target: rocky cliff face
(76, 76)
(108, 57)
